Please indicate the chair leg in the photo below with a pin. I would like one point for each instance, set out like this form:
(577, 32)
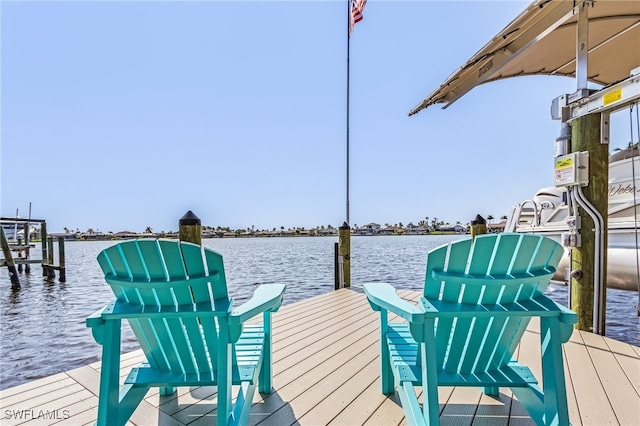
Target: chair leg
(224, 376)
(491, 390)
(243, 404)
(410, 405)
(167, 390)
(266, 373)
(130, 397)
(556, 411)
(431, 408)
(108, 397)
(386, 372)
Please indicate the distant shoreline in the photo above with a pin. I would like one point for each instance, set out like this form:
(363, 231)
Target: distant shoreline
(262, 234)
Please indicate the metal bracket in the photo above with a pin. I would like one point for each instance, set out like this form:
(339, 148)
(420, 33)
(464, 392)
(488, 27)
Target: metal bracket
(610, 99)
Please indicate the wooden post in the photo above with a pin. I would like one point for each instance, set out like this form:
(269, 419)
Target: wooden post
(344, 251)
(478, 226)
(336, 267)
(63, 275)
(50, 271)
(45, 256)
(585, 135)
(19, 254)
(190, 228)
(6, 251)
(27, 240)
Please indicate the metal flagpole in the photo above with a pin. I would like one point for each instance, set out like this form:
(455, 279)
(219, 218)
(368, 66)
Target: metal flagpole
(348, 49)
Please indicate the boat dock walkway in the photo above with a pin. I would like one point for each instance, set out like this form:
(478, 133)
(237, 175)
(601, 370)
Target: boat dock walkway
(326, 372)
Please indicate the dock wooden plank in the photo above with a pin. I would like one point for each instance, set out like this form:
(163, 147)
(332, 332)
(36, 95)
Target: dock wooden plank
(593, 404)
(621, 348)
(39, 394)
(363, 406)
(461, 407)
(631, 367)
(326, 371)
(30, 386)
(620, 392)
(331, 405)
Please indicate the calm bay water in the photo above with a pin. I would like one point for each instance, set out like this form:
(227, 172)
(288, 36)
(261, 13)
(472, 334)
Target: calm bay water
(42, 328)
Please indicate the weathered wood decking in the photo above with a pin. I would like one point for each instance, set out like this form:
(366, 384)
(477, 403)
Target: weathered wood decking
(326, 371)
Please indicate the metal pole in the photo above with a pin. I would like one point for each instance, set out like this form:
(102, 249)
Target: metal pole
(348, 50)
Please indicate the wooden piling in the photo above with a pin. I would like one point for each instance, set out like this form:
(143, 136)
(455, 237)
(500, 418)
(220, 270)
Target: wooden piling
(344, 251)
(27, 241)
(585, 135)
(337, 282)
(45, 256)
(62, 275)
(19, 255)
(11, 267)
(50, 269)
(190, 228)
(478, 226)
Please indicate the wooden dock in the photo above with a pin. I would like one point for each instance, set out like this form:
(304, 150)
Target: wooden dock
(326, 372)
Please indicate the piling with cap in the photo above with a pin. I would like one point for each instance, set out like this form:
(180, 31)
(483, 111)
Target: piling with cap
(190, 228)
(344, 252)
(478, 226)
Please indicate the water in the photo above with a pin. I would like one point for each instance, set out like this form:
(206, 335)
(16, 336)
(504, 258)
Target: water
(42, 328)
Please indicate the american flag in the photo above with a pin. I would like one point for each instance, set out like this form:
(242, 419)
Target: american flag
(357, 6)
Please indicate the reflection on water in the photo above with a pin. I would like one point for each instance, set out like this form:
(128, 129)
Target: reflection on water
(42, 329)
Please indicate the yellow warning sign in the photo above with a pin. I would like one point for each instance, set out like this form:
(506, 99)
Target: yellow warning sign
(563, 163)
(612, 97)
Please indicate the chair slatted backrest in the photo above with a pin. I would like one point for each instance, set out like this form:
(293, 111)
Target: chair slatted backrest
(488, 270)
(169, 273)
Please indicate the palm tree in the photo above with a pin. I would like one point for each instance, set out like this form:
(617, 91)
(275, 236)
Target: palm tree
(148, 230)
(489, 218)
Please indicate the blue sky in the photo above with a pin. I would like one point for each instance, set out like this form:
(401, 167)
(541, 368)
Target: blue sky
(121, 115)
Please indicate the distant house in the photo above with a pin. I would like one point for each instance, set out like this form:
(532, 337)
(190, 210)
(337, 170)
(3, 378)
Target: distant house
(412, 229)
(328, 231)
(496, 228)
(457, 228)
(392, 230)
(369, 229)
(125, 235)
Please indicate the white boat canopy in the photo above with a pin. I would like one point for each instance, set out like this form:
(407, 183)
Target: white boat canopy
(542, 41)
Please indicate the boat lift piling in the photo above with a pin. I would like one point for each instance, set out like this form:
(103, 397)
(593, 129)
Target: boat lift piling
(23, 252)
(8, 260)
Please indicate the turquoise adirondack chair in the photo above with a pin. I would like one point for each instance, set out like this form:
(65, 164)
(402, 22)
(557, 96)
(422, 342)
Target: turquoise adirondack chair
(479, 296)
(174, 295)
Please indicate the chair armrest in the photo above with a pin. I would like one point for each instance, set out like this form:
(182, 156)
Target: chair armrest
(95, 319)
(267, 297)
(384, 296)
(96, 323)
(567, 316)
